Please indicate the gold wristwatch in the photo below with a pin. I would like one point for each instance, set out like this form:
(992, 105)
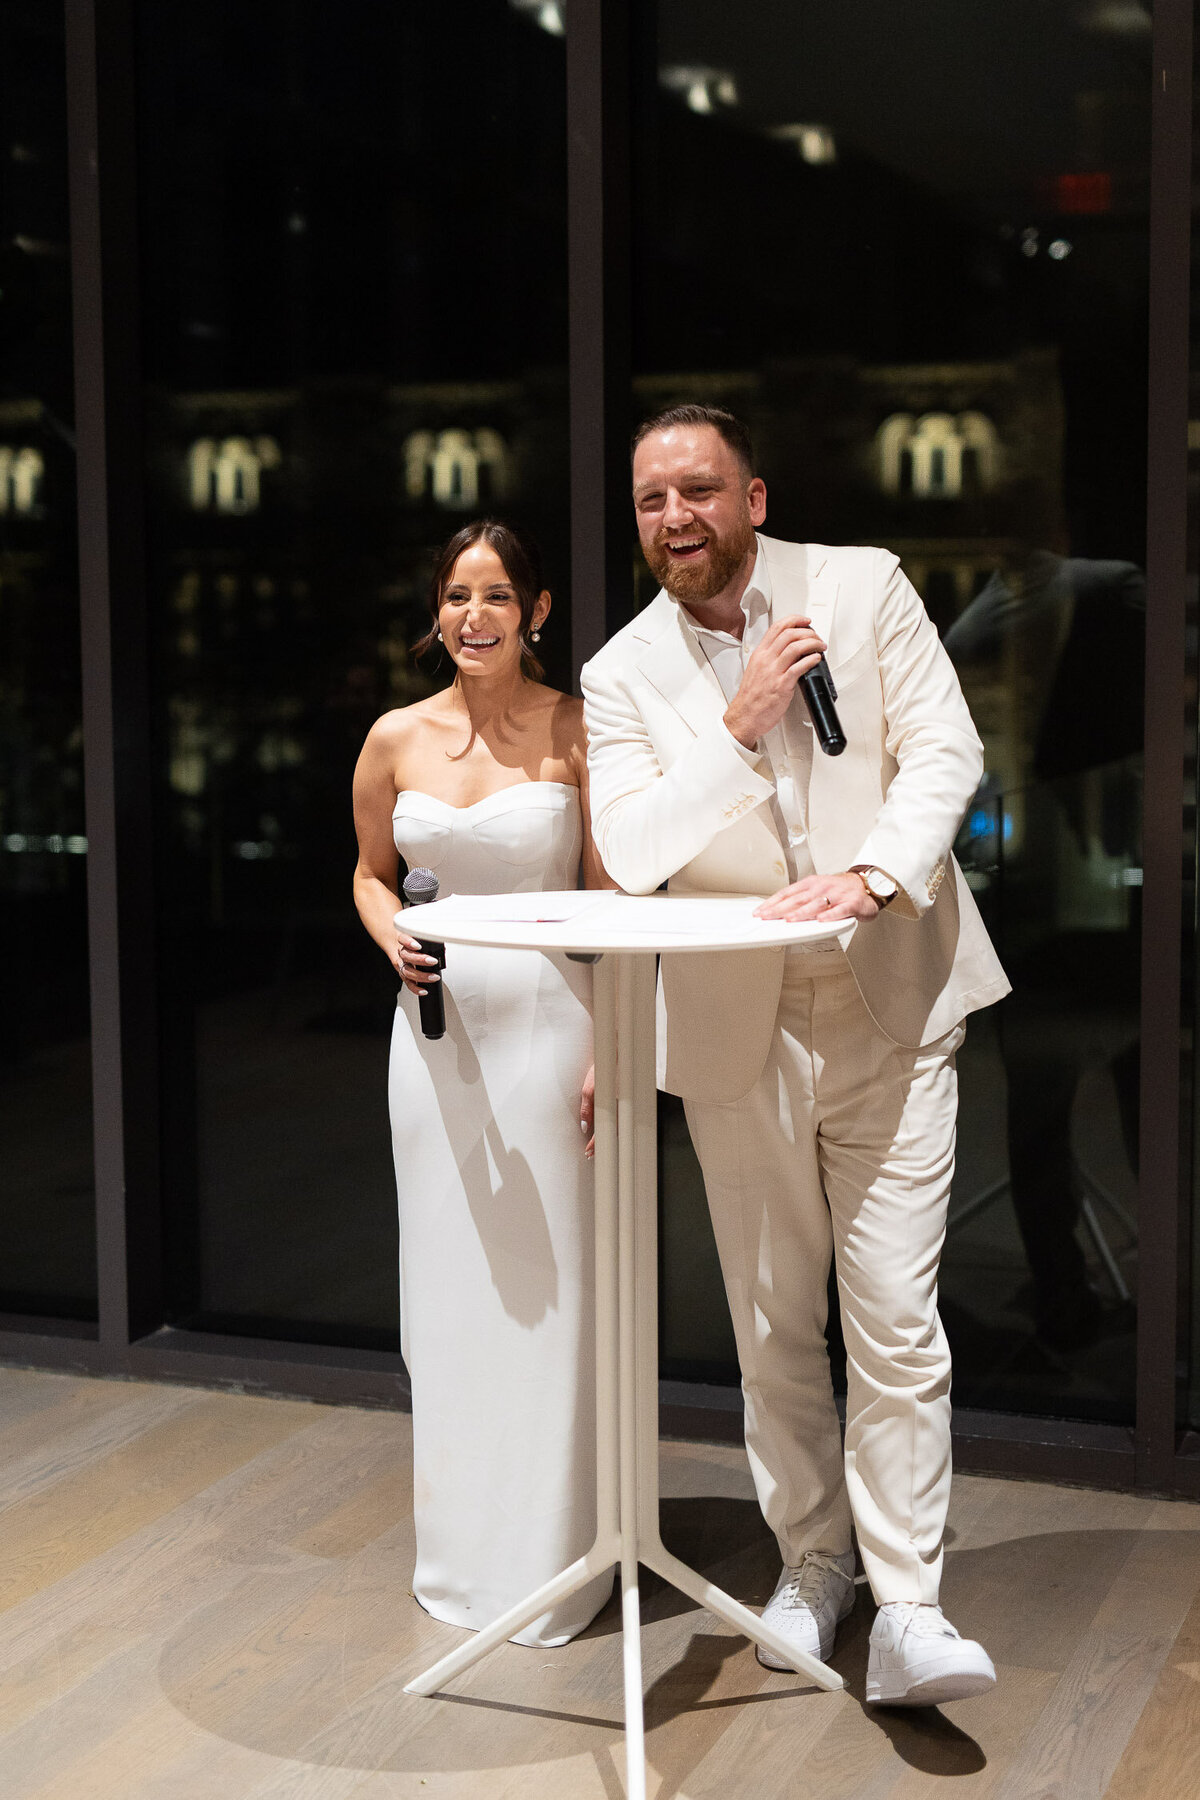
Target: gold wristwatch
(878, 883)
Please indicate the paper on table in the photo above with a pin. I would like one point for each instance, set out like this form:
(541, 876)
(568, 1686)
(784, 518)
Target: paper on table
(518, 909)
(680, 917)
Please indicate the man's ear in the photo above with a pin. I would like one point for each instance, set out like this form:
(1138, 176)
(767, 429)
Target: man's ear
(756, 499)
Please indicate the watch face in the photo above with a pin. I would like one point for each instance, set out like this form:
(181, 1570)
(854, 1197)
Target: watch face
(882, 886)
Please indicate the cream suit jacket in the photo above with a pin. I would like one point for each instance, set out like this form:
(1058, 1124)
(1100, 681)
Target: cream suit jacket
(673, 799)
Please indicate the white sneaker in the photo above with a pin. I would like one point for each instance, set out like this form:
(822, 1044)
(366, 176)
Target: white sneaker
(918, 1659)
(808, 1604)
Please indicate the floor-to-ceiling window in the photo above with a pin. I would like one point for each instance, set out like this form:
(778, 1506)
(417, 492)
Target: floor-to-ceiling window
(47, 1226)
(1188, 1333)
(354, 271)
(915, 258)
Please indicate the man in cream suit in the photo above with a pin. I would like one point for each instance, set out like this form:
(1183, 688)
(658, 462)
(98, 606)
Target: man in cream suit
(819, 1085)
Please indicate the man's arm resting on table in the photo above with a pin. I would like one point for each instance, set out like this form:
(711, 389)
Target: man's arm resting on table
(846, 895)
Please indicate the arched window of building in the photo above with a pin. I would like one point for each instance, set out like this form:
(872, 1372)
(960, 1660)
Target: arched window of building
(939, 456)
(226, 477)
(891, 442)
(981, 447)
(458, 469)
(21, 473)
(418, 456)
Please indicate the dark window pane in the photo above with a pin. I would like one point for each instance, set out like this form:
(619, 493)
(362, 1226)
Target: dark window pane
(1189, 1395)
(47, 1213)
(913, 254)
(354, 231)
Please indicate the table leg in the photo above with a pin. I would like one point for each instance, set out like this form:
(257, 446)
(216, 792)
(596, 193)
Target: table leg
(599, 1558)
(630, 986)
(607, 1167)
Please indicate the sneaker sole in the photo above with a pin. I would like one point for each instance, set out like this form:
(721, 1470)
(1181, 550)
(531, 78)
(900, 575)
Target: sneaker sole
(769, 1660)
(932, 1690)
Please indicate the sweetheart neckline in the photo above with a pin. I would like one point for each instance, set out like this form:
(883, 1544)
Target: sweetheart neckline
(514, 787)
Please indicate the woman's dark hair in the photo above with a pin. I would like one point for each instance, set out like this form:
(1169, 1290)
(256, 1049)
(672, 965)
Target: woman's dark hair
(522, 564)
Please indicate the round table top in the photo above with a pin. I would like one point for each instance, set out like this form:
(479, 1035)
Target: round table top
(595, 921)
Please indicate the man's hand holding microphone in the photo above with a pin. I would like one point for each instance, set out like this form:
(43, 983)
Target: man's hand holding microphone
(792, 655)
(789, 650)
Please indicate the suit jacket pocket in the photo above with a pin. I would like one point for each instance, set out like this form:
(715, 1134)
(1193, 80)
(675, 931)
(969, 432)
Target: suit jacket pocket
(851, 668)
(859, 701)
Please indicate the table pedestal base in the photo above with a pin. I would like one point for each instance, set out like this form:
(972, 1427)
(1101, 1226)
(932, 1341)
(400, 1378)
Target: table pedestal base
(627, 1481)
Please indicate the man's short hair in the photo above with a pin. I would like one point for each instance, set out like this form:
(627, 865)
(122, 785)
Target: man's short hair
(731, 429)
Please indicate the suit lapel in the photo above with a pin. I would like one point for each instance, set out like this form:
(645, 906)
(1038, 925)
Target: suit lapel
(802, 583)
(822, 598)
(675, 664)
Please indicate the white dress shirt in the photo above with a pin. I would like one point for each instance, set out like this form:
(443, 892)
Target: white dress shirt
(728, 656)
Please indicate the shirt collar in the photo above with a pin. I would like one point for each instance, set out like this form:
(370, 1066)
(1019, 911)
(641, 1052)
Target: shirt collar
(756, 601)
(758, 589)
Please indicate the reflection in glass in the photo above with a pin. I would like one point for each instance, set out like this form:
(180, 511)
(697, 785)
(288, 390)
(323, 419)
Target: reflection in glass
(47, 1216)
(355, 338)
(916, 263)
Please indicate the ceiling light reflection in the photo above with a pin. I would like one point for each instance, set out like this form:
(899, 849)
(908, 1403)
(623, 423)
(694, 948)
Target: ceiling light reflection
(704, 90)
(814, 143)
(549, 14)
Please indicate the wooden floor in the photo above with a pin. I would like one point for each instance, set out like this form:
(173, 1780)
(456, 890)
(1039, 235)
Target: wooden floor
(205, 1597)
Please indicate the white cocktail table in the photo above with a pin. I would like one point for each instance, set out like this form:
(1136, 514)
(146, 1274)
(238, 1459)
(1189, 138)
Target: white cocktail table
(622, 933)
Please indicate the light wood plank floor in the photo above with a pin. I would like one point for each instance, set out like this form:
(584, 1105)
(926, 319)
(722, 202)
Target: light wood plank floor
(205, 1597)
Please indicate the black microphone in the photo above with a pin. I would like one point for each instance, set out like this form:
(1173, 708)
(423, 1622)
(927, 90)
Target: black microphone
(420, 887)
(819, 696)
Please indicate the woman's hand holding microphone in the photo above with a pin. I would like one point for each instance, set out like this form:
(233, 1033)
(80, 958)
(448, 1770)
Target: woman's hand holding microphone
(418, 971)
(415, 969)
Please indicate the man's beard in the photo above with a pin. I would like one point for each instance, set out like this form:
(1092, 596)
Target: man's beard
(694, 583)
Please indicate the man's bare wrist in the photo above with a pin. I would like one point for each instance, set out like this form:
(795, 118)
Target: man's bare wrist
(736, 729)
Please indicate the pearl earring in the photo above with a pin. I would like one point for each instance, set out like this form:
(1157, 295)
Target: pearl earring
(536, 636)
(440, 638)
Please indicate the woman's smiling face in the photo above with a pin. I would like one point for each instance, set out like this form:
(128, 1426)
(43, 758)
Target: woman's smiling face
(480, 614)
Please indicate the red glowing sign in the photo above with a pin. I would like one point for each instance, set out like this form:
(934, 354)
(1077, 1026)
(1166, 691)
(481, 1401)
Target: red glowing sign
(1091, 193)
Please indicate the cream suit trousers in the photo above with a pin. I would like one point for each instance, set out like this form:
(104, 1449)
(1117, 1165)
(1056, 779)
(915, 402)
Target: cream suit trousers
(844, 1145)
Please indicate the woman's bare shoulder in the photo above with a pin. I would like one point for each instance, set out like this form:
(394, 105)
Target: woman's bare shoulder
(395, 736)
(567, 736)
(400, 725)
(565, 708)
(566, 714)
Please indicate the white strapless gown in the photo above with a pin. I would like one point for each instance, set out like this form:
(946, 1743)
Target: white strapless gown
(496, 1246)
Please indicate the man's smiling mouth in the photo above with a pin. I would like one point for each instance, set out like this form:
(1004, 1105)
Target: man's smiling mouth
(685, 547)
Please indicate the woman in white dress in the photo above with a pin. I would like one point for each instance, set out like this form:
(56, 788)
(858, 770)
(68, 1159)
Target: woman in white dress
(485, 783)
